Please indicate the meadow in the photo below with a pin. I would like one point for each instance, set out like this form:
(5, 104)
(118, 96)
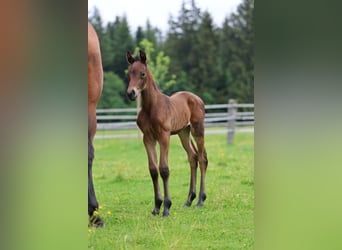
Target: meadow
(125, 193)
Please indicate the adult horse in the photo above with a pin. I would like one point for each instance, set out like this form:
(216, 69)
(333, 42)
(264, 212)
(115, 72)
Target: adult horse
(95, 83)
(162, 116)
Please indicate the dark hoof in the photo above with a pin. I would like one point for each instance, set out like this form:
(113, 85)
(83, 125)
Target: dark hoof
(191, 197)
(200, 204)
(201, 200)
(95, 221)
(157, 204)
(187, 204)
(155, 212)
(167, 205)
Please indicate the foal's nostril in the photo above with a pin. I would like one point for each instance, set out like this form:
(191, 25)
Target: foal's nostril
(131, 95)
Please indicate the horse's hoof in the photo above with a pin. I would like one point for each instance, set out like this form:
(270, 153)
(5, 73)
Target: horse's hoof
(99, 224)
(165, 213)
(155, 212)
(200, 204)
(201, 200)
(187, 204)
(95, 221)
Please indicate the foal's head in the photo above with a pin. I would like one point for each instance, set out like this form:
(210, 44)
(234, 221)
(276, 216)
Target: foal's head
(137, 73)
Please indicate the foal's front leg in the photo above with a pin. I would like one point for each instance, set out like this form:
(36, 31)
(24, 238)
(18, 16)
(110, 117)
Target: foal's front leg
(150, 146)
(164, 170)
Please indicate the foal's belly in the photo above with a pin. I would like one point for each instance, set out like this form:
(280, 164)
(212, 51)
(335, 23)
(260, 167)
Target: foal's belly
(177, 130)
(179, 122)
(179, 115)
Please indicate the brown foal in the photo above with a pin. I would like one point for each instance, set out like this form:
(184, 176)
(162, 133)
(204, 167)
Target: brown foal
(162, 116)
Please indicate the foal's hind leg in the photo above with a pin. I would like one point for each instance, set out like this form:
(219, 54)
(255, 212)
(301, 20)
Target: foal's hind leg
(184, 136)
(197, 131)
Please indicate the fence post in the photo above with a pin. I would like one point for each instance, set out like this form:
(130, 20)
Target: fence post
(231, 120)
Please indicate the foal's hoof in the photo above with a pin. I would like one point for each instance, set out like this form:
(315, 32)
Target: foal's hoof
(95, 221)
(167, 205)
(201, 200)
(155, 212)
(200, 204)
(187, 204)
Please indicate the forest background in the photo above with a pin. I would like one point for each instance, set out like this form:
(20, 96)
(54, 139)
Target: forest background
(216, 63)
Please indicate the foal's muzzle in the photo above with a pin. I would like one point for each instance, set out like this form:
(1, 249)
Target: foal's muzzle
(132, 95)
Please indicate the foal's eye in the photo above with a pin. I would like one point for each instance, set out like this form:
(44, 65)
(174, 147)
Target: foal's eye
(142, 74)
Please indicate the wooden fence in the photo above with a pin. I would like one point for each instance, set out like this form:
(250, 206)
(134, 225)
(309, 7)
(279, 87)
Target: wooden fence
(227, 118)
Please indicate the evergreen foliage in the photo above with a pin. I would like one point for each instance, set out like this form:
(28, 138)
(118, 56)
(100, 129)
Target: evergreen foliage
(216, 63)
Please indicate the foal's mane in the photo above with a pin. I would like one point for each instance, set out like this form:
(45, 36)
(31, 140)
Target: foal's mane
(138, 59)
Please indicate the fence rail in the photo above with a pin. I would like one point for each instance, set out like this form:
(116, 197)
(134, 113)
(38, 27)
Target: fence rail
(232, 115)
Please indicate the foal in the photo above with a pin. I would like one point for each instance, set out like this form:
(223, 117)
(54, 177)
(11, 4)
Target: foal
(162, 116)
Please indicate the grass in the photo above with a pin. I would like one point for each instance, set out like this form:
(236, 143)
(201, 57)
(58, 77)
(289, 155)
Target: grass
(125, 193)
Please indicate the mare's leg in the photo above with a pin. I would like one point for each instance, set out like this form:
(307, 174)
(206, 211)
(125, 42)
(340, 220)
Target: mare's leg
(184, 136)
(92, 202)
(164, 141)
(150, 146)
(198, 133)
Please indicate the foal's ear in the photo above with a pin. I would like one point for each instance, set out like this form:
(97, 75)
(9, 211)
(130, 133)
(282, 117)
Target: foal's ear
(129, 58)
(142, 56)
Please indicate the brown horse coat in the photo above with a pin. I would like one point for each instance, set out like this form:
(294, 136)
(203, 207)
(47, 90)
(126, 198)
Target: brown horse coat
(95, 83)
(160, 117)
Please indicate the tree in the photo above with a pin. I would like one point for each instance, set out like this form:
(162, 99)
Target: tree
(105, 46)
(216, 63)
(139, 35)
(121, 41)
(182, 36)
(192, 44)
(237, 46)
(205, 58)
(179, 45)
(114, 89)
(152, 34)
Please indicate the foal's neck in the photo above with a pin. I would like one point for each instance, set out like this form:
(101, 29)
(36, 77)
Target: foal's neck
(151, 93)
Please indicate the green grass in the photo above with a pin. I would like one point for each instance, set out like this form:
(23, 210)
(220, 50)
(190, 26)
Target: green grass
(125, 192)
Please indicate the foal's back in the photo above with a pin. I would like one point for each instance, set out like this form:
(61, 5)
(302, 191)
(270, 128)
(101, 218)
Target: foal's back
(189, 103)
(187, 108)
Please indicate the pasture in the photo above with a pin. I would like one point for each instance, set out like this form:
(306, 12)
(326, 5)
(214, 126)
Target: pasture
(125, 193)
